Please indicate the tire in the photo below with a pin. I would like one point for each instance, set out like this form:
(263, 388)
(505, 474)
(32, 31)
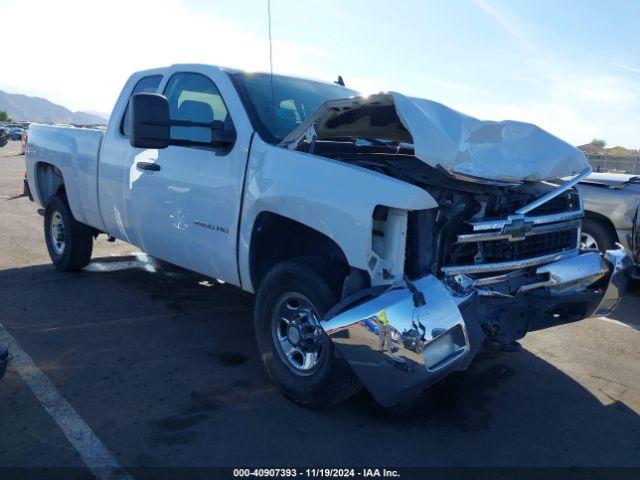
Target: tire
(599, 232)
(71, 249)
(295, 282)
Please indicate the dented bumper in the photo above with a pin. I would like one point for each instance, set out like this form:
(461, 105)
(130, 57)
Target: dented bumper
(415, 344)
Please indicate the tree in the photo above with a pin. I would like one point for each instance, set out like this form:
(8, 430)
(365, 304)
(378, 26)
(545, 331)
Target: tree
(4, 116)
(598, 142)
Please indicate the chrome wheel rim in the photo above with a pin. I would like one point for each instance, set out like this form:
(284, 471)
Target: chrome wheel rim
(587, 242)
(57, 233)
(297, 335)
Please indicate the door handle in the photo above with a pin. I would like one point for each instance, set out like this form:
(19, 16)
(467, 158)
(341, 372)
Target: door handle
(148, 166)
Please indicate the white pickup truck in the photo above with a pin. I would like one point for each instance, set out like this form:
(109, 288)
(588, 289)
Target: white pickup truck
(387, 238)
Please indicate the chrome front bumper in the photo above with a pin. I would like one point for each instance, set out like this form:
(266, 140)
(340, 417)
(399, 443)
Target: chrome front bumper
(399, 346)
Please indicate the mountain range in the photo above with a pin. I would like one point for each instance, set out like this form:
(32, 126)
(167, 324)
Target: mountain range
(35, 109)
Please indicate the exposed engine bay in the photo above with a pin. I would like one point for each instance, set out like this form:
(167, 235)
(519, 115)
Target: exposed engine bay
(477, 229)
(501, 205)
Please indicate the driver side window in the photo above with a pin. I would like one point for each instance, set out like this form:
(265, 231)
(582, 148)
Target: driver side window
(145, 85)
(195, 97)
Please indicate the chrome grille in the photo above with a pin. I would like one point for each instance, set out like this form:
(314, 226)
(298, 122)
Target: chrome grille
(549, 230)
(561, 203)
(505, 250)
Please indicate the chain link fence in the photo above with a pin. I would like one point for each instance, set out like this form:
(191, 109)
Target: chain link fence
(602, 163)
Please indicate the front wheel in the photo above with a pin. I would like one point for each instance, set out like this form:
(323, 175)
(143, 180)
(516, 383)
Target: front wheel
(299, 357)
(69, 242)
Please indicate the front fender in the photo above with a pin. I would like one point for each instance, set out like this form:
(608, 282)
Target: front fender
(332, 197)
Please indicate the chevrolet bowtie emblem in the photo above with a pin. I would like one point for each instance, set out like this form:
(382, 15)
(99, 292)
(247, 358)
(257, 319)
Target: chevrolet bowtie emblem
(518, 229)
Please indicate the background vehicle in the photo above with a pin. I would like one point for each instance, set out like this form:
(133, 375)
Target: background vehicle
(333, 209)
(411, 340)
(4, 137)
(372, 325)
(611, 203)
(16, 133)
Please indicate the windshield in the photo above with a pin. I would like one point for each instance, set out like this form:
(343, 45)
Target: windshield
(294, 100)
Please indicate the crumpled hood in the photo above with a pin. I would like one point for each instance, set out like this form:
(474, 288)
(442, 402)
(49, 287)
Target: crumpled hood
(506, 151)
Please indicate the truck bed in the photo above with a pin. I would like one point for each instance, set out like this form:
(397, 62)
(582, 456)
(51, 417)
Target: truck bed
(74, 152)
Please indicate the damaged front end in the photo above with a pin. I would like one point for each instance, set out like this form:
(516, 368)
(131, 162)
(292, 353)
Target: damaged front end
(498, 257)
(479, 272)
(398, 346)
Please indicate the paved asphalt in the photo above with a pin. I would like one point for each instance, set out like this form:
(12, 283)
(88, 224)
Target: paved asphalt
(162, 366)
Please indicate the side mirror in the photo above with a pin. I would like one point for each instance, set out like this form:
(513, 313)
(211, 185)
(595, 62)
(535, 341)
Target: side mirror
(150, 121)
(151, 125)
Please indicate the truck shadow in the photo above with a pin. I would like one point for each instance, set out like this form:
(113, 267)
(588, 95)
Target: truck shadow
(627, 311)
(181, 348)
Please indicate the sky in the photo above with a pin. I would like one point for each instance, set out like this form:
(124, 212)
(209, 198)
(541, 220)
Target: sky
(571, 67)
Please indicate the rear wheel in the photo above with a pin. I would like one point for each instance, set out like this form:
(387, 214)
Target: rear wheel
(69, 242)
(299, 357)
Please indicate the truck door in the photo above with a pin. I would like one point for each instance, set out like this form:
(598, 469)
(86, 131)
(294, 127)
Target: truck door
(185, 201)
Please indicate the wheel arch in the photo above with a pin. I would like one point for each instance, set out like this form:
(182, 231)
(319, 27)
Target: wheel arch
(275, 238)
(49, 181)
(604, 221)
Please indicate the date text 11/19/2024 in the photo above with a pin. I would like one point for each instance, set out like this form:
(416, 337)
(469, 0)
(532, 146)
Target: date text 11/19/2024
(316, 473)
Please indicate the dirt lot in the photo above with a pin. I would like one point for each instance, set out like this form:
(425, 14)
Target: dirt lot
(162, 369)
